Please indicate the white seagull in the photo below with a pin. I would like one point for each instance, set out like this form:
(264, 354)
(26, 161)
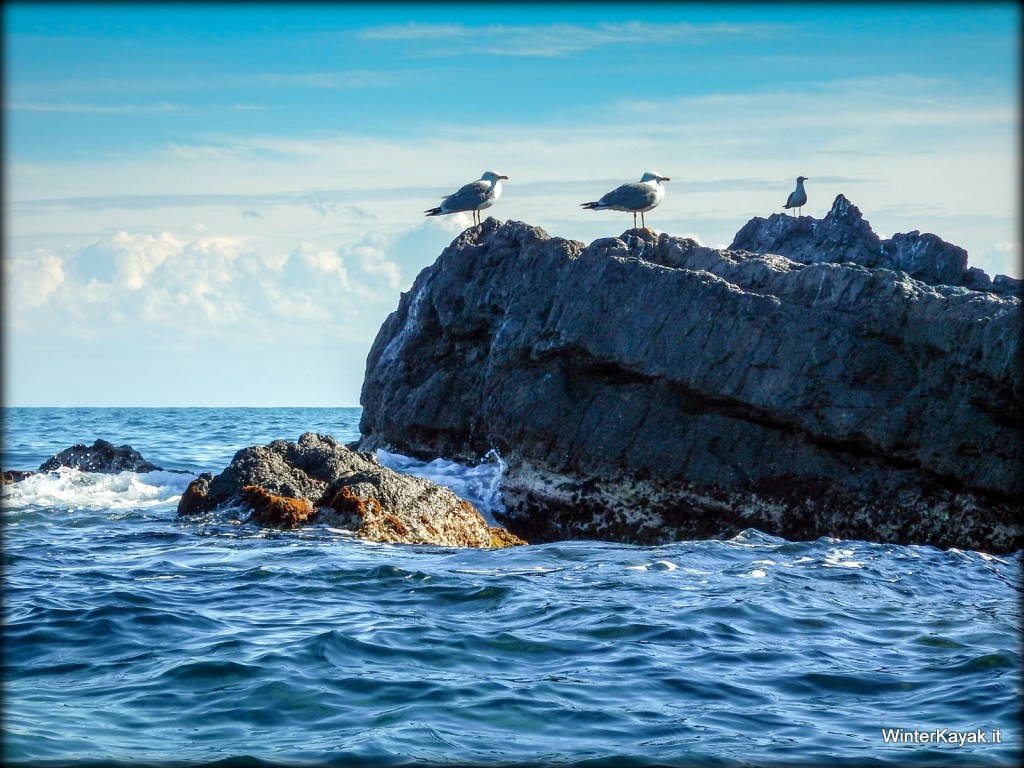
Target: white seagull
(474, 197)
(798, 197)
(635, 197)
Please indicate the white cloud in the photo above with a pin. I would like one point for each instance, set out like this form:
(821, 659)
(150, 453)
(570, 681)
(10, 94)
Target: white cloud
(555, 40)
(337, 80)
(321, 262)
(67, 106)
(160, 284)
(31, 280)
(1001, 258)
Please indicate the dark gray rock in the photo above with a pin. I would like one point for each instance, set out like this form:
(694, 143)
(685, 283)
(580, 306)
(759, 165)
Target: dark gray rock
(101, 456)
(648, 389)
(844, 236)
(319, 480)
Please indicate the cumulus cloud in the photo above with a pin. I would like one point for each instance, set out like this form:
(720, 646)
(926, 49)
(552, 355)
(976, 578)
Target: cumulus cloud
(31, 280)
(373, 261)
(162, 284)
(1003, 257)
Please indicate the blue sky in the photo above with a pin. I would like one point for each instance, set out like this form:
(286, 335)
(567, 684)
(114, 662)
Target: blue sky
(219, 205)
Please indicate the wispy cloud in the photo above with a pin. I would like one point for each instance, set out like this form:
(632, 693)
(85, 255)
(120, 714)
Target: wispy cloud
(68, 106)
(554, 40)
(810, 109)
(336, 80)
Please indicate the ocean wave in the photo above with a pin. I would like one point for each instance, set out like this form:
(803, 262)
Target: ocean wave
(73, 489)
(479, 484)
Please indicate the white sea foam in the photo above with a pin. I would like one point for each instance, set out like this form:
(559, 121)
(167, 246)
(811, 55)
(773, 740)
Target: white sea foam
(992, 558)
(74, 489)
(657, 565)
(841, 558)
(479, 485)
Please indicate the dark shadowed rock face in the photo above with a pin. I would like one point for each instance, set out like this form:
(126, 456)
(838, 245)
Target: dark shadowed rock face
(101, 456)
(648, 389)
(319, 480)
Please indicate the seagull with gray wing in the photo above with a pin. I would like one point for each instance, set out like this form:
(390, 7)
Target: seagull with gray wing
(798, 197)
(635, 197)
(474, 197)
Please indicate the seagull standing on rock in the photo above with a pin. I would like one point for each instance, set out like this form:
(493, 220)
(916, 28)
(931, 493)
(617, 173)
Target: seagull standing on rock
(635, 197)
(798, 197)
(474, 197)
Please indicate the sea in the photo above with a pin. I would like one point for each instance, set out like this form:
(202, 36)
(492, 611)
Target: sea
(135, 637)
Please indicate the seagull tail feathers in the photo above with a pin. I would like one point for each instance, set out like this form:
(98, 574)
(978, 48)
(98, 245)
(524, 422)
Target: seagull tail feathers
(589, 206)
(433, 211)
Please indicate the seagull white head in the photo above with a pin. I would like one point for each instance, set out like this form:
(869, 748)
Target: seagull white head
(652, 176)
(801, 179)
(492, 177)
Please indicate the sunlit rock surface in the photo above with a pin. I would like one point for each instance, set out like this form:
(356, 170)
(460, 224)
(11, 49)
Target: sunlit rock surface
(319, 480)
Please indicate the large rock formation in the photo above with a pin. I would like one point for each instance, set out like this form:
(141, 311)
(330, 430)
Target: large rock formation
(649, 389)
(319, 480)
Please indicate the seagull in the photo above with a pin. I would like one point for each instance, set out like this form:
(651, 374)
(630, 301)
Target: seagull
(636, 197)
(474, 197)
(798, 197)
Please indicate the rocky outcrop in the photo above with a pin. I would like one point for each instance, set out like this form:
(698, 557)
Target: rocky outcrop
(101, 456)
(319, 480)
(647, 389)
(14, 476)
(844, 236)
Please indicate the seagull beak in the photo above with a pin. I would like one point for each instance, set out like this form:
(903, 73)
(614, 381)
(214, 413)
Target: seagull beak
(503, 177)
(665, 178)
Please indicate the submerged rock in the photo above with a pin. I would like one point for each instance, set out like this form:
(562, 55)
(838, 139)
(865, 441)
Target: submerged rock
(319, 480)
(647, 389)
(101, 456)
(15, 476)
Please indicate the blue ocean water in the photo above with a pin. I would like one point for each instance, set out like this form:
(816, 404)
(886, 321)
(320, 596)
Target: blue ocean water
(133, 637)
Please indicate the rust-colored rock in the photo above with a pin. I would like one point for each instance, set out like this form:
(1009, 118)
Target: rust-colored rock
(196, 497)
(15, 476)
(352, 509)
(501, 537)
(319, 480)
(273, 511)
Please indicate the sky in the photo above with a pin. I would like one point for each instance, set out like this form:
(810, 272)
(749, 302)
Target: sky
(218, 205)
